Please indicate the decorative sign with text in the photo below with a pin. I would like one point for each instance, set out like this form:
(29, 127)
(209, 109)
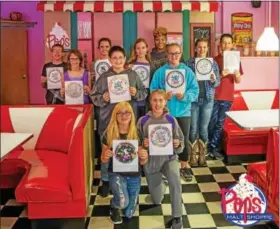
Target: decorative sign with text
(58, 36)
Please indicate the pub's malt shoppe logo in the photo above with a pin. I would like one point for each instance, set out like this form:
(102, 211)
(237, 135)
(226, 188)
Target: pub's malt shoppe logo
(244, 204)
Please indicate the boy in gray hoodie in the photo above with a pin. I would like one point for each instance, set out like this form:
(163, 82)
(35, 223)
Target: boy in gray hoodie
(100, 97)
(166, 165)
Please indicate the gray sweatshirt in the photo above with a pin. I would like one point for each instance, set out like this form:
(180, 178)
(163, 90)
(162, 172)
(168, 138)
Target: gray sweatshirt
(155, 163)
(106, 108)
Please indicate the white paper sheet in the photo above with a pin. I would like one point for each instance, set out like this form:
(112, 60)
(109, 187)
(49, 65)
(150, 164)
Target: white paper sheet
(143, 72)
(203, 68)
(175, 81)
(74, 92)
(125, 157)
(231, 61)
(160, 139)
(101, 66)
(54, 76)
(118, 86)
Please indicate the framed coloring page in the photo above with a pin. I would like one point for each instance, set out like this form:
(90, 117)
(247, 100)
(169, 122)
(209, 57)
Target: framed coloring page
(175, 38)
(202, 30)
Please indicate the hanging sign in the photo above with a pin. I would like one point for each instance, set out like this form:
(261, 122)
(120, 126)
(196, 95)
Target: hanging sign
(58, 36)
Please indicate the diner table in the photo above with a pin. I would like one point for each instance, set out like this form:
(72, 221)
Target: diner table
(9, 141)
(255, 119)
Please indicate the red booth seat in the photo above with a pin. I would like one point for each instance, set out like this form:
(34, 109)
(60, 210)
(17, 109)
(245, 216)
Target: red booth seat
(53, 170)
(237, 141)
(266, 174)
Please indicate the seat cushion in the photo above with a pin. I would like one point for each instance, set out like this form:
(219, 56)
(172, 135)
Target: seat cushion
(46, 177)
(258, 172)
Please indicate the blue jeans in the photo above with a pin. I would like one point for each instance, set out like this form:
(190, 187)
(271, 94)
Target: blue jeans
(104, 171)
(216, 124)
(201, 114)
(125, 192)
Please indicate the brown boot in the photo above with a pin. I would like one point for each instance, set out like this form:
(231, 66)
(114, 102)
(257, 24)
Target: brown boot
(202, 153)
(193, 147)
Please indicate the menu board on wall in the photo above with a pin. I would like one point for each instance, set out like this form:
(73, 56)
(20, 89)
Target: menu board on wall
(202, 30)
(242, 28)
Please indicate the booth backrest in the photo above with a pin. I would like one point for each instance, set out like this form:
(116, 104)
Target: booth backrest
(52, 127)
(255, 100)
(272, 165)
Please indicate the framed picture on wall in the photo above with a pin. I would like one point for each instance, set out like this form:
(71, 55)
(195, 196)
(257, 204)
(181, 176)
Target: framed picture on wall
(175, 38)
(202, 30)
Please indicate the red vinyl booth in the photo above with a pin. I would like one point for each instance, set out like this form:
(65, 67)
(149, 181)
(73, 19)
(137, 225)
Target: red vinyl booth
(52, 172)
(238, 141)
(266, 174)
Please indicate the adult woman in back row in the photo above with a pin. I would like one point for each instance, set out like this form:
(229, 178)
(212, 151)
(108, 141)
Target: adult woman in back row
(179, 104)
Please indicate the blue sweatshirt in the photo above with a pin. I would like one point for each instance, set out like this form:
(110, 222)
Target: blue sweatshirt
(177, 108)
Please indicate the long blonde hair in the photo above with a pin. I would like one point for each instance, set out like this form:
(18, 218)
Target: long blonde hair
(112, 131)
(133, 55)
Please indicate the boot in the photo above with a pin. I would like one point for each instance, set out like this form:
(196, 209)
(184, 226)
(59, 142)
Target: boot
(202, 153)
(193, 147)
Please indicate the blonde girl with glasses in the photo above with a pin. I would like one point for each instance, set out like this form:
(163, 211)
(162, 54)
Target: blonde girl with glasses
(179, 104)
(125, 186)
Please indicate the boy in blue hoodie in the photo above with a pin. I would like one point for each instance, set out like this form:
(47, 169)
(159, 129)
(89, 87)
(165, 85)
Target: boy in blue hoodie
(179, 104)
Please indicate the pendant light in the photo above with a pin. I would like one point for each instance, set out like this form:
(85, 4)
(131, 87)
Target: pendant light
(268, 41)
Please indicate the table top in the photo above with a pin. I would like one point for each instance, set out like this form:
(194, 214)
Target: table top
(255, 119)
(10, 141)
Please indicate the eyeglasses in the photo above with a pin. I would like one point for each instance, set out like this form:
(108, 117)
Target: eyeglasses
(126, 114)
(74, 59)
(117, 58)
(177, 54)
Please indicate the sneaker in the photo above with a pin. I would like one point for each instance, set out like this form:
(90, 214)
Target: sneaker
(115, 216)
(186, 174)
(177, 223)
(218, 156)
(104, 192)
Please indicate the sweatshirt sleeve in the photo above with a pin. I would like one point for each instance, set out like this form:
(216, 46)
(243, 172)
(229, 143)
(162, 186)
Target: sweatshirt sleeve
(142, 92)
(192, 88)
(140, 132)
(178, 134)
(97, 93)
(155, 84)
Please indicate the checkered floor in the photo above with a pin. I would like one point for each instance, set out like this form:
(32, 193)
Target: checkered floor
(201, 204)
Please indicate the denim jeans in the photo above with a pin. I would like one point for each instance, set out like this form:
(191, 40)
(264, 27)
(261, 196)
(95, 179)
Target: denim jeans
(125, 192)
(104, 171)
(201, 114)
(215, 128)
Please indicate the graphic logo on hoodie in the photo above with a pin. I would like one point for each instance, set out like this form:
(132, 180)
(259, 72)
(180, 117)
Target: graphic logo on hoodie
(175, 79)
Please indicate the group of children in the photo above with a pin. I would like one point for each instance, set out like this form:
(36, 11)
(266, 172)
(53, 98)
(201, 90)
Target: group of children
(197, 114)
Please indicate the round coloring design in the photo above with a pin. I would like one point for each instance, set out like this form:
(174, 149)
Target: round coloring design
(118, 86)
(125, 152)
(142, 72)
(160, 136)
(102, 67)
(175, 79)
(74, 90)
(54, 76)
(204, 67)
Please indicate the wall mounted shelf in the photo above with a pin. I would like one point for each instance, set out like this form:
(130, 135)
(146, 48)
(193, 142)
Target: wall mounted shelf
(16, 24)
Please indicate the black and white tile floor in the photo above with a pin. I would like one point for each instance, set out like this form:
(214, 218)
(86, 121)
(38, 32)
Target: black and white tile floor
(200, 200)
